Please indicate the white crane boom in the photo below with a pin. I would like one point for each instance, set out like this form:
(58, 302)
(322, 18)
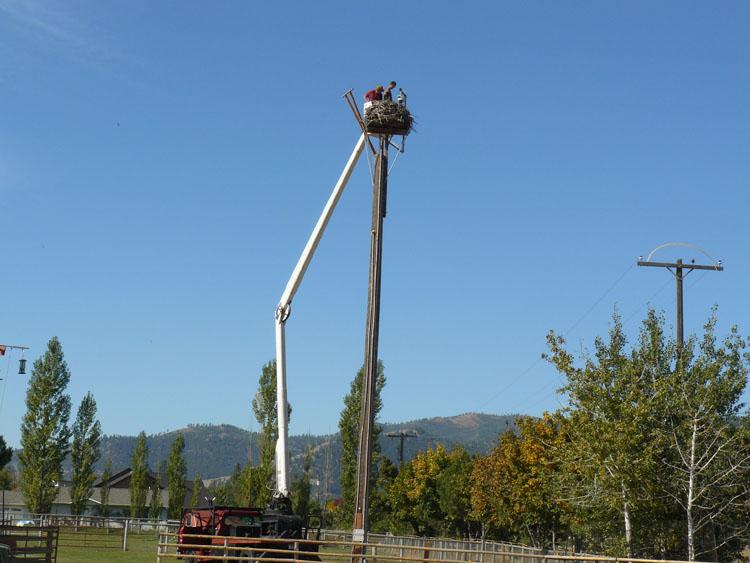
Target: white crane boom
(282, 314)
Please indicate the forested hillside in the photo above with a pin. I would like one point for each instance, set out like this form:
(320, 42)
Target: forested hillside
(214, 450)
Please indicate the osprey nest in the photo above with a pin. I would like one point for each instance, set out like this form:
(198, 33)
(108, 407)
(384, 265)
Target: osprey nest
(388, 118)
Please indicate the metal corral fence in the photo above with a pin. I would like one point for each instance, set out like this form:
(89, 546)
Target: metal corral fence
(337, 551)
(103, 533)
(30, 543)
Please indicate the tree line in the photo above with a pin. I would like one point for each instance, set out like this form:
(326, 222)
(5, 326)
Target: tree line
(47, 439)
(650, 457)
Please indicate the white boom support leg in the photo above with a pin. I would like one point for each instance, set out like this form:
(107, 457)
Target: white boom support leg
(284, 309)
(282, 454)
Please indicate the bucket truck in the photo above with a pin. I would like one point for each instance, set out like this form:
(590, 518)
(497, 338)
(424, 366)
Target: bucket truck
(248, 526)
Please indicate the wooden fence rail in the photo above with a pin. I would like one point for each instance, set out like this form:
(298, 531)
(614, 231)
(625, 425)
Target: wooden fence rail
(238, 549)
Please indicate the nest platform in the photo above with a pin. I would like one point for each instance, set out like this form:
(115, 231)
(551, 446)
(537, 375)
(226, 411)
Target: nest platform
(388, 118)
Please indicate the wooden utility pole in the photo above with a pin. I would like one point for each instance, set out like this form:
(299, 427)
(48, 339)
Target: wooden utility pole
(401, 435)
(680, 270)
(364, 454)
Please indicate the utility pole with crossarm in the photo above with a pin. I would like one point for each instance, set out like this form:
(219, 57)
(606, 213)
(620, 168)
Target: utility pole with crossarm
(680, 270)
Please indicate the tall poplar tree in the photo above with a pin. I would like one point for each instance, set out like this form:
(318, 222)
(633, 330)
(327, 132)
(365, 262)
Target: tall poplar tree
(349, 429)
(104, 489)
(301, 489)
(155, 505)
(139, 477)
(264, 409)
(45, 434)
(195, 497)
(87, 434)
(177, 473)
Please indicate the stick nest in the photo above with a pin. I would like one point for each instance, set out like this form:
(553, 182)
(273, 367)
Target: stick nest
(388, 118)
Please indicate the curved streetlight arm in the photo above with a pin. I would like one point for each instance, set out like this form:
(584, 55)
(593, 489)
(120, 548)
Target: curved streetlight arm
(283, 311)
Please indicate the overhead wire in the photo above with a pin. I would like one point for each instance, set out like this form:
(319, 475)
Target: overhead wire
(566, 333)
(545, 388)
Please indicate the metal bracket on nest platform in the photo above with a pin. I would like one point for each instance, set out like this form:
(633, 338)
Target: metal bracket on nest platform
(349, 97)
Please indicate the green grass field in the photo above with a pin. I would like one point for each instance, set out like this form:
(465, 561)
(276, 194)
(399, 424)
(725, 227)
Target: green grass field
(76, 547)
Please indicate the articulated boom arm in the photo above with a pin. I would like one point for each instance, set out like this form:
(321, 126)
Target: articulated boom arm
(283, 310)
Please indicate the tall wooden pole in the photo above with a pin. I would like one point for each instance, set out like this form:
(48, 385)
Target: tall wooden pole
(678, 276)
(364, 454)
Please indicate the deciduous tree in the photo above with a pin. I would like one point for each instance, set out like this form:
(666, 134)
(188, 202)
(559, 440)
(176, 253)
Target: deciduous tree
(177, 473)
(613, 451)
(454, 494)
(87, 434)
(45, 434)
(513, 488)
(264, 408)
(414, 495)
(195, 498)
(104, 489)
(155, 505)
(349, 430)
(139, 477)
(301, 489)
(711, 457)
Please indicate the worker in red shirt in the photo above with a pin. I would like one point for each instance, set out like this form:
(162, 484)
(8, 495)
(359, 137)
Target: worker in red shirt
(374, 95)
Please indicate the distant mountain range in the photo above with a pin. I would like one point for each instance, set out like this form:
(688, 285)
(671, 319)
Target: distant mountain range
(214, 450)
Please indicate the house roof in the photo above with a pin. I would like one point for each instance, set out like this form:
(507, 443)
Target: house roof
(116, 478)
(118, 497)
(120, 480)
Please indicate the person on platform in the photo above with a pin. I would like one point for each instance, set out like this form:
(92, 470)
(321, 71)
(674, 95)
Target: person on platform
(374, 95)
(388, 94)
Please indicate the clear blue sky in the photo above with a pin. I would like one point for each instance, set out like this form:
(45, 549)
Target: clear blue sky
(162, 164)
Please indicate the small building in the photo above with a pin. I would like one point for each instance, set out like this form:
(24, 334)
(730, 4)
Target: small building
(14, 504)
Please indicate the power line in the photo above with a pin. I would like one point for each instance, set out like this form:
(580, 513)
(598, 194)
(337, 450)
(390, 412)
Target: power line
(539, 360)
(555, 395)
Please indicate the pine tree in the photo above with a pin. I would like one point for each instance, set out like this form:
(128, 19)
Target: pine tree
(6, 453)
(195, 498)
(44, 431)
(7, 479)
(155, 506)
(349, 429)
(85, 453)
(177, 473)
(104, 490)
(139, 477)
